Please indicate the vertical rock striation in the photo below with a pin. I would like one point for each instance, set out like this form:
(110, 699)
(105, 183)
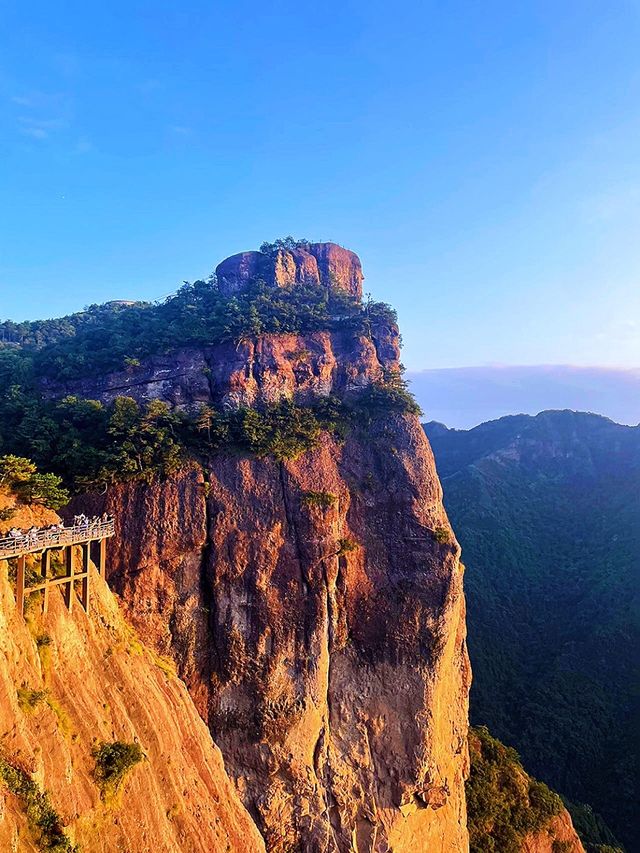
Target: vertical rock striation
(313, 263)
(325, 646)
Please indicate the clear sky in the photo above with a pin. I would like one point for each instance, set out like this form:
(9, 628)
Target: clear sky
(482, 158)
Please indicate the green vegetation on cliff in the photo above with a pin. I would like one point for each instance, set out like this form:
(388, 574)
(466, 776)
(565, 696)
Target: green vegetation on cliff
(44, 823)
(503, 803)
(285, 243)
(595, 834)
(113, 763)
(21, 476)
(115, 336)
(547, 512)
(91, 445)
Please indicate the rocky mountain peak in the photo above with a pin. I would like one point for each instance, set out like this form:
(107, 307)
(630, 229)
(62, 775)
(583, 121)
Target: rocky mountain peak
(317, 263)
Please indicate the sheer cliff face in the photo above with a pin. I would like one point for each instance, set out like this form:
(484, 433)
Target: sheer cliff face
(334, 683)
(252, 372)
(93, 681)
(323, 641)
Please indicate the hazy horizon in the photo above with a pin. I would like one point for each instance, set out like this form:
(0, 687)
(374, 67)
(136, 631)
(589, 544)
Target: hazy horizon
(462, 398)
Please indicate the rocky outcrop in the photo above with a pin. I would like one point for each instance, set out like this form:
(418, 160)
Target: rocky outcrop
(323, 641)
(558, 835)
(313, 263)
(22, 515)
(70, 681)
(508, 809)
(252, 372)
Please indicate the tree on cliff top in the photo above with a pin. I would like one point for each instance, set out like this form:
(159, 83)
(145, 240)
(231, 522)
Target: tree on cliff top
(21, 476)
(15, 470)
(284, 243)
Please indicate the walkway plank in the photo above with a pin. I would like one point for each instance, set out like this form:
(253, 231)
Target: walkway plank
(46, 540)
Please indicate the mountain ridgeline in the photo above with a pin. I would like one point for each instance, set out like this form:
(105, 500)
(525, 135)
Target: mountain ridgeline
(547, 510)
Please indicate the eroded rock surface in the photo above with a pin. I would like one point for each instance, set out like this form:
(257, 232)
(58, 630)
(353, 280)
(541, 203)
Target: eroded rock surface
(99, 684)
(325, 646)
(315, 263)
(253, 372)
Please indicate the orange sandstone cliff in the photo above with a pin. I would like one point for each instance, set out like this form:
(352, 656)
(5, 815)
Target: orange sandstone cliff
(324, 645)
(69, 682)
(313, 608)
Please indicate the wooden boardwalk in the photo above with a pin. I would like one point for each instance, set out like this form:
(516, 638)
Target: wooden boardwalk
(43, 542)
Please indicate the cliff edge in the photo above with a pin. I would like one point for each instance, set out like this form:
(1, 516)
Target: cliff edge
(280, 534)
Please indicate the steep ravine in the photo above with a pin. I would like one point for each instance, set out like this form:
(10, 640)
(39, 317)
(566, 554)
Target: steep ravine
(547, 509)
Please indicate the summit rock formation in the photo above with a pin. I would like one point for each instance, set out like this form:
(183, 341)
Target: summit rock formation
(312, 263)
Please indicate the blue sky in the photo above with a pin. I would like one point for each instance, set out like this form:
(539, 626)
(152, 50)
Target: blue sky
(482, 158)
(462, 397)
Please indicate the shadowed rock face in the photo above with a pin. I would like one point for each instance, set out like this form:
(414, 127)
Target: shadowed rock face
(317, 263)
(234, 272)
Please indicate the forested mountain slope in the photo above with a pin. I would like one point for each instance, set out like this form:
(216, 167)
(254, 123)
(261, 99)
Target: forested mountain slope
(507, 810)
(547, 510)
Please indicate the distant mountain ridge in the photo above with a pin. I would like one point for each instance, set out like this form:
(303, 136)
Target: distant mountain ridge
(465, 396)
(547, 509)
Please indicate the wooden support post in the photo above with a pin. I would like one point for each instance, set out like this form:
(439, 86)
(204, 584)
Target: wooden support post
(69, 592)
(84, 583)
(20, 584)
(45, 565)
(102, 561)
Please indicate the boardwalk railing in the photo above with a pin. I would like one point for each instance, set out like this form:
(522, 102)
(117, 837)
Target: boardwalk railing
(30, 543)
(46, 540)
